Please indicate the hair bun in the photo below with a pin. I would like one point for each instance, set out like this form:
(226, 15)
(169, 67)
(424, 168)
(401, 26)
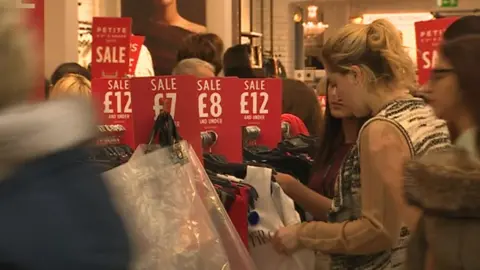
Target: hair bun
(379, 32)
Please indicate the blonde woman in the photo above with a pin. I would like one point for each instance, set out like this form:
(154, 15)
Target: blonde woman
(367, 224)
(72, 85)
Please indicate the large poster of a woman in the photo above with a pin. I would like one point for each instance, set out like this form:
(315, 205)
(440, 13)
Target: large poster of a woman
(165, 23)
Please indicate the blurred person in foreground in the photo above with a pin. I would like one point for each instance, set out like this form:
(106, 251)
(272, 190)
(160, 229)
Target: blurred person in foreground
(56, 212)
(195, 67)
(446, 184)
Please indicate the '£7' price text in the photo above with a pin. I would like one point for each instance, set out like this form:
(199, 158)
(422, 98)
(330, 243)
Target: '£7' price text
(123, 102)
(165, 101)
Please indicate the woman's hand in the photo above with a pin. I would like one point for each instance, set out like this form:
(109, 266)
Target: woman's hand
(285, 181)
(285, 240)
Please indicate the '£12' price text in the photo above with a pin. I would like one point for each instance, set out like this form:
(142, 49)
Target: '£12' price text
(254, 103)
(123, 103)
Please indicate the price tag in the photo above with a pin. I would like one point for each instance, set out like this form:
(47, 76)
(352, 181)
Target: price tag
(175, 94)
(261, 106)
(217, 108)
(111, 47)
(136, 43)
(114, 102)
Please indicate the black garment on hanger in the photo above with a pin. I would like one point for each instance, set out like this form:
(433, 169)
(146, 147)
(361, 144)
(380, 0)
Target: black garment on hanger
(107, 157)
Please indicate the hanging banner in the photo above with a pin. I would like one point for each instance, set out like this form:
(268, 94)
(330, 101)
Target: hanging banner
(175, 94)
(34, 14)
(111, 47)
(217, 109)
(428, 36)
(136, 43)
(114, 102)
(261, 107)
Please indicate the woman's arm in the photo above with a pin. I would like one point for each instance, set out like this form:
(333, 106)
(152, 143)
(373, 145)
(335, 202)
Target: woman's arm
(312, 202)
(383, 153)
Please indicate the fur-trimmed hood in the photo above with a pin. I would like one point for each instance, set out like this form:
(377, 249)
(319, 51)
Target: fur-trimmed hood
(29, 132)
(445, 183)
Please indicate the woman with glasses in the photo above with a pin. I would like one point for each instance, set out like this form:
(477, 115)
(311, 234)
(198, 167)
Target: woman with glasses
(446, 184)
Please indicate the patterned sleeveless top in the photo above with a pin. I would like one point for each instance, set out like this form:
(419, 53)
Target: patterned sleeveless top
(423, 132)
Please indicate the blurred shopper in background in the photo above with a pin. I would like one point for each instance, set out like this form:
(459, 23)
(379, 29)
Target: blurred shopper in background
(366, 228)
(207, 47)
(56, 210)
(446, 185)
(69, 68)
(195, 67)
(66, 69)
(237, 62)
(72, 85)
(300, 101)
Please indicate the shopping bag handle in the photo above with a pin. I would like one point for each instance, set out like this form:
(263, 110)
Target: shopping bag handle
(165, 129)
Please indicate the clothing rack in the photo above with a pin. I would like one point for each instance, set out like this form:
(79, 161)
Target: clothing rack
(251, 133)
(286, 130)
(110, 134)
(209, 138)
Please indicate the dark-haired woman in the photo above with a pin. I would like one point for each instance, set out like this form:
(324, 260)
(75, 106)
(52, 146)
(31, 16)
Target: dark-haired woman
(341, 129)
(446, 184)
(299, 99)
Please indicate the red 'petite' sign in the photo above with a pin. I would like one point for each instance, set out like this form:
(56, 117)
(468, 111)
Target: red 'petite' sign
(428, 36)
(261, 106)
(217, 108)
(136, 43)
(111, 47)
(175, 94)
(114, 101)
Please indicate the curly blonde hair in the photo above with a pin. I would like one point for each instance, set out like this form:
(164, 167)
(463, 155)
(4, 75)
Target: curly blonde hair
(376, 48)
(72, 85)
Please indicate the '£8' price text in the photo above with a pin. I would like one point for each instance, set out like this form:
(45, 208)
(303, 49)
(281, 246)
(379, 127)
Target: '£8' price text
(123, 102)
(213, 109)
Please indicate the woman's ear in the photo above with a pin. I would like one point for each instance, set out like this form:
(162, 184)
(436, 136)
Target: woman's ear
(356, 74)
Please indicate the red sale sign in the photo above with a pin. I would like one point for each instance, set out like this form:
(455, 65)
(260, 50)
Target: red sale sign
(136, 43)
(217, 109)
(34, 14)
(261, 106)
(175, 94)
(428, 36)
(114, 101)
(111, 47)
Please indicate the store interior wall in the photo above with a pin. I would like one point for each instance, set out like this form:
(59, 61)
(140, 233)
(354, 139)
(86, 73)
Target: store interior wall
(60, 33)
(61, 22)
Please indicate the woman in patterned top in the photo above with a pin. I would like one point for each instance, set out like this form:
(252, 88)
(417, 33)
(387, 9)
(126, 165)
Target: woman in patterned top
(369, 220)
